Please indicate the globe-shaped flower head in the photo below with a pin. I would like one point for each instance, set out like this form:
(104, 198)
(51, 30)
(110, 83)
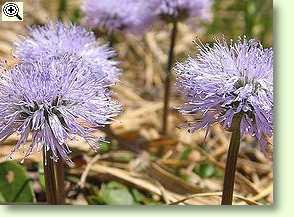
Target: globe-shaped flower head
(129, 16)
(53, 101)
(57, 39)
(179, 10)
(224, 80)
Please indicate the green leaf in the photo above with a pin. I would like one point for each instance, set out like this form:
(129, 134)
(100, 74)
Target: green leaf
(15, 185)
(114, 193)
(185, 153)
(150, 201)
(206, 170)
(2, 199)
(104, 147)
(138, 196)
(95, 200)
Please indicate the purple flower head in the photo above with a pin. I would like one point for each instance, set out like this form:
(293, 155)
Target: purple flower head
(170, 10)
(129, 16)
(224, 80)
(57, 39)
(53, 101)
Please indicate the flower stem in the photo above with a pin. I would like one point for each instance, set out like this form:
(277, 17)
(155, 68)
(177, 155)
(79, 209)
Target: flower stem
(229, 178)
(168, 77)
(54, 179)
(59, 176)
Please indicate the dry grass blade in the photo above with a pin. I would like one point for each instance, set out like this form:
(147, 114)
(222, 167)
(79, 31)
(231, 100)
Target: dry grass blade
(146, 185)
(87, 170)
(248, 201)
(265, 192)
(171, 181)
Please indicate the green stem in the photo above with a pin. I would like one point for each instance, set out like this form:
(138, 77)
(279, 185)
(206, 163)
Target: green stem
(168, 78)
(249, 18)
(54, 179)
(62, 9)
(229, 178)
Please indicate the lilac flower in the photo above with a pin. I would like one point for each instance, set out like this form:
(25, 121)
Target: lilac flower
(179, 10)
(223, 80)
(53, 101)
(130, 16)
(57, 39)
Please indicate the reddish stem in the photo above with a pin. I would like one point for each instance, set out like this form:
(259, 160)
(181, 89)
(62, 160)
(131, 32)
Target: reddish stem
(230, 170)
(54, 179)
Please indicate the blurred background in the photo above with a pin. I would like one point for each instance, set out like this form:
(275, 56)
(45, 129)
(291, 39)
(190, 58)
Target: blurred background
(139, 166)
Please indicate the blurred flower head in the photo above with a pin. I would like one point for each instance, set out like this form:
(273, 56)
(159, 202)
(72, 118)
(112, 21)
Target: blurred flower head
(171, 10)
(53, 101)
(57, 39)
(223, 80)
(129, 16)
